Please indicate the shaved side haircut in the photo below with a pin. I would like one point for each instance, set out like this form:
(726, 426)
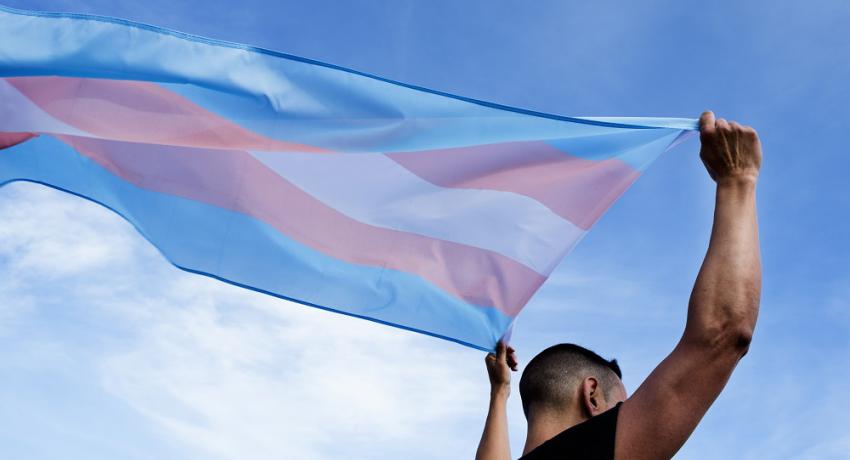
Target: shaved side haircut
(551, 379)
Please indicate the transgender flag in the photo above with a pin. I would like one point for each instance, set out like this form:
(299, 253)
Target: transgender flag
(333, 188)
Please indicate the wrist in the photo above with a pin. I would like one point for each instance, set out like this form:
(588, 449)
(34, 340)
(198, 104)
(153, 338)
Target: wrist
(500, 390)
(738, 181)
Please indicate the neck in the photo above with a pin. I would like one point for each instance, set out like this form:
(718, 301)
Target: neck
(543, 427)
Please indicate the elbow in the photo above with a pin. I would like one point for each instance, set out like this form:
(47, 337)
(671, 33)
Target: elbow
(740, 341)
(739, 329)
(723, 327)
(729, 338)
(733, 340)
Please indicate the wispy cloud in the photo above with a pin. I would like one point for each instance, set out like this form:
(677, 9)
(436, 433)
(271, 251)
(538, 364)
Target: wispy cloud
(225, 372)
(302, 379)
(222, 372)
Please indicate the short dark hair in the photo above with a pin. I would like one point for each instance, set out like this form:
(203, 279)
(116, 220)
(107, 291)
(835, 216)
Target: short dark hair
(549, 380)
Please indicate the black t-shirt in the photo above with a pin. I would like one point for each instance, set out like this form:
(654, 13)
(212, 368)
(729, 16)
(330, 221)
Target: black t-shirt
(590, 440)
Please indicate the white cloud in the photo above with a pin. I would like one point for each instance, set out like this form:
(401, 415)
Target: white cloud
(227, 373)
(234, 372)
(50, 238)
(224, 371)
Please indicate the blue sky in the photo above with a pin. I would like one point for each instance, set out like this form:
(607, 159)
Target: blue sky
(107, 351)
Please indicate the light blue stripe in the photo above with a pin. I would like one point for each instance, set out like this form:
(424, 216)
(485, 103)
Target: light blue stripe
(638, 148)
(279, 95)
(585, 141)
(243, 251)
(686, 124)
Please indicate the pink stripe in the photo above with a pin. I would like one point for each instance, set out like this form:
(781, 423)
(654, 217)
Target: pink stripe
(577, 189)
(11, 139)
(235, 180)
(141, 112)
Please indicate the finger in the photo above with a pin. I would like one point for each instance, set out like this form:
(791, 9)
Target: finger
(749, 131)
(706, 121)
(722, 124)
(512, 361)
(743, 131)
(737, 131)
(501, 351)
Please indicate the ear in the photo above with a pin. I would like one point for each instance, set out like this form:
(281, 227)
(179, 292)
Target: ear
(592, 400)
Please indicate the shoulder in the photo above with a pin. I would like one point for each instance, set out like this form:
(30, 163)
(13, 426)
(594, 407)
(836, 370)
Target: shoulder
(590, 440)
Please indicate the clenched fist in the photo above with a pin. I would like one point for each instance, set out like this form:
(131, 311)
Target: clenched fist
(500, 365)
(730, 151)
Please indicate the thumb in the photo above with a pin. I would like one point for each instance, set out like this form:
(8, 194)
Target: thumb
(706, 122)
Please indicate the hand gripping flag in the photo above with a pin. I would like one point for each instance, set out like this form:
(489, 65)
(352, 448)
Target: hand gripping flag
(326, 186)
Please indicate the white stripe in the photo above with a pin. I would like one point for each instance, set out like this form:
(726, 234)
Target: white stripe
(19, 114)
(375, 190)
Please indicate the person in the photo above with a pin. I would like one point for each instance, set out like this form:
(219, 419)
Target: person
(574, 400)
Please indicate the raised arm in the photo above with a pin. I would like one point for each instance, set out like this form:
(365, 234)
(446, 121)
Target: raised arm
(494, 443)
(655, 422)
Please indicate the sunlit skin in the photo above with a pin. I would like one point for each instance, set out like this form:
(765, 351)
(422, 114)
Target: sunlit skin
(658, 418)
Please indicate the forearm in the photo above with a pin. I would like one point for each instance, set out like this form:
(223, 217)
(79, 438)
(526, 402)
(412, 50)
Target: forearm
(494, 443)
(656, 420)
(724, 303)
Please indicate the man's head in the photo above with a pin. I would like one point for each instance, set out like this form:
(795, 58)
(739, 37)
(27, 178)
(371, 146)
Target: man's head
(566, 378)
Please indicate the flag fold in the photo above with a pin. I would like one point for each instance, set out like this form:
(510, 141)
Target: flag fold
(322, 185)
